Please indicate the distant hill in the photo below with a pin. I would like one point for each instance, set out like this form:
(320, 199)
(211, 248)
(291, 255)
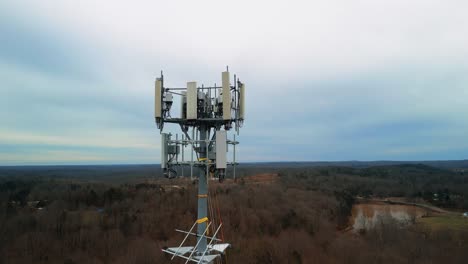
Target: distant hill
(445, 164)
(123, 173)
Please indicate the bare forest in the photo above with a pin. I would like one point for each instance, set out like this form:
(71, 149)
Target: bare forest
(270, 214)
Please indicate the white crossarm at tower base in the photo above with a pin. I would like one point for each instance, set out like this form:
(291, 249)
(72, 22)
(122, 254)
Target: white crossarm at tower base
(195, 234)
(206, 257)
(197, 259)
(176, 251)
(220, 247)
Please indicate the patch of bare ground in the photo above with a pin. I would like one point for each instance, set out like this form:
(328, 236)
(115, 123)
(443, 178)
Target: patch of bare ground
(264, 178)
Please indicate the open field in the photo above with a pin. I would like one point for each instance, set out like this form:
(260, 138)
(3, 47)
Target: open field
(454, 222)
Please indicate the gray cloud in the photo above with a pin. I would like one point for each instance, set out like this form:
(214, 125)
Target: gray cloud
(328, 80)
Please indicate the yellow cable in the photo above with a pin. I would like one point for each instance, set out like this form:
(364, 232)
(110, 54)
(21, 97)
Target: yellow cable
(202, 220)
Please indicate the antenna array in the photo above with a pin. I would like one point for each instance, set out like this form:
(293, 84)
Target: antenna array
(206, 114)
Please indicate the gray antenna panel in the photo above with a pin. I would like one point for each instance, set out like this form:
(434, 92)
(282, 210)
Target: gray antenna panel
(183, 105)
(158, 98)
(164, 144)
(192, 100)
(221, 149)
(241, 101)
(226, 96)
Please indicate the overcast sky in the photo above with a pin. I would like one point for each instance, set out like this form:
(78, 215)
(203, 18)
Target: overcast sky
(326, 80)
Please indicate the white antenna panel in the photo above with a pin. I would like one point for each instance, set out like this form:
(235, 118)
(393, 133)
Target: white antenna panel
(221, 149)
(192, 100)
(158, 98)
(226, 96)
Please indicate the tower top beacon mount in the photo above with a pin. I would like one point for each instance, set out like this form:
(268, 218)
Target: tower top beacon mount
(205, 116)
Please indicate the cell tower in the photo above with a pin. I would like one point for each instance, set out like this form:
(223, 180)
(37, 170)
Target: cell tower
(206, 115)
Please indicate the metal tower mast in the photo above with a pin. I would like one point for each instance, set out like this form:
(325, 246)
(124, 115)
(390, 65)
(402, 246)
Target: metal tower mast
(206, 112)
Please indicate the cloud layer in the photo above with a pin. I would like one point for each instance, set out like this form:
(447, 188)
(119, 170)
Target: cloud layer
(328, 80)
